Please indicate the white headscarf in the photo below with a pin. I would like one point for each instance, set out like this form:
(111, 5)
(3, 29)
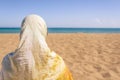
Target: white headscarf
(32, 60)
(33, 33)
(32, 38)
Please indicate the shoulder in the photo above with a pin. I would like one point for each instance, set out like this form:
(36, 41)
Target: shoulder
(56, 59)
(7, 60)
(8, 56)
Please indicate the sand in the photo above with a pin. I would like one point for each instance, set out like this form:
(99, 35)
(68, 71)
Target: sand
(88, 56)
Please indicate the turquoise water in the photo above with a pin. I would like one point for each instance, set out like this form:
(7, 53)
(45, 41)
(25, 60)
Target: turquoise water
(67, 30)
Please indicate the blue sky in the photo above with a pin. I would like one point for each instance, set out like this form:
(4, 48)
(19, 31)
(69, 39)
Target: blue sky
(62, 13)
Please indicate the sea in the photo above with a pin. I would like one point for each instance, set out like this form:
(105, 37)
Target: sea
(67, 30)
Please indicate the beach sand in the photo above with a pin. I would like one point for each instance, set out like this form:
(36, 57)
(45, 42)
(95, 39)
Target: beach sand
(88, 56)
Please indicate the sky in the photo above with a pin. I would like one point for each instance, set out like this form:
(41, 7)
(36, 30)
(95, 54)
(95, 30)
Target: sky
(62, 13)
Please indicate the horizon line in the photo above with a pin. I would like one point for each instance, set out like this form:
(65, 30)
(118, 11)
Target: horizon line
(67, 27)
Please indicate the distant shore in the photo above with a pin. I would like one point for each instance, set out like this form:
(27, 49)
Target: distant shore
(89, 56)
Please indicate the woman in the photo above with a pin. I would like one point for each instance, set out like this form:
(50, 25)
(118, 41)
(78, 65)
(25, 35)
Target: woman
(33, 60)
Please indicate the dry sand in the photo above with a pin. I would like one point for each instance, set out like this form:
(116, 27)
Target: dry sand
(88, 56)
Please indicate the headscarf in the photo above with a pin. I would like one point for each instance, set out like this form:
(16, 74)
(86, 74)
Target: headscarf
(33, 60)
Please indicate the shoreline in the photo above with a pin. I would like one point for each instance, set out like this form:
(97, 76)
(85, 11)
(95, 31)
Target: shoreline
(66, 33)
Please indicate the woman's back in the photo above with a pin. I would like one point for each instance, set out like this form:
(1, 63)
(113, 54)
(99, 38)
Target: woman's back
(33, 60)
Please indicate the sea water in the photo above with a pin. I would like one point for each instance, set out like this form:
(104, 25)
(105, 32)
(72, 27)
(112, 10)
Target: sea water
(67, 30)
